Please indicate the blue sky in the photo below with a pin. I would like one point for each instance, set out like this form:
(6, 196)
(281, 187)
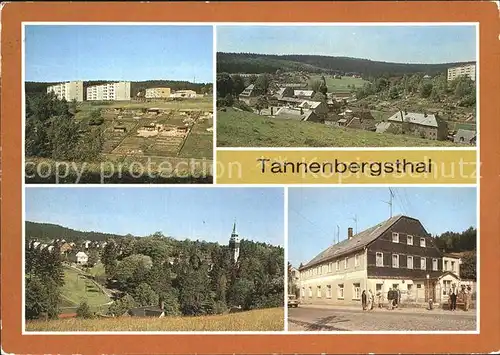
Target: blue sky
(401, 44)
(109, 52)
(314, 213)
(194, 213)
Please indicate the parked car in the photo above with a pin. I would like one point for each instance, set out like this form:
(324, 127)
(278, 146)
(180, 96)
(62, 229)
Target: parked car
(293, 301)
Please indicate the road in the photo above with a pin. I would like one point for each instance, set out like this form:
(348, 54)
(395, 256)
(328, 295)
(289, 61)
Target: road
(348, 319)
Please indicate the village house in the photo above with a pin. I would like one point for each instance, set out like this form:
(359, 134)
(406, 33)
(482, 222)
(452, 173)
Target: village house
(397, 253)
(303, 94)
(465, 136)
(298, 114)
(248, 95)
(120, 129)
(357, 120)
(147, 311)
(421, 125)
(81, 258)
(318, 107)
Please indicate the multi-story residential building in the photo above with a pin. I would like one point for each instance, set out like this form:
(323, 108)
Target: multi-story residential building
(119, 91)
(157, 93)
(467, 70)
(397, 253)
(71, 90)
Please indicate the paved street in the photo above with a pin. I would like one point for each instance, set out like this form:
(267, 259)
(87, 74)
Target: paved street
(314, 318)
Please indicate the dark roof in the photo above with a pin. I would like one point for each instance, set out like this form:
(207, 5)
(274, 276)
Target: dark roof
(358, 241)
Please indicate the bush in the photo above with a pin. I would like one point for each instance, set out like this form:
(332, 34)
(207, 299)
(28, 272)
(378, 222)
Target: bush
(242, 106)
(83, 311)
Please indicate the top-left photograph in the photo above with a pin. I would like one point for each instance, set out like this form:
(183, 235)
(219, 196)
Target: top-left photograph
(115, 103)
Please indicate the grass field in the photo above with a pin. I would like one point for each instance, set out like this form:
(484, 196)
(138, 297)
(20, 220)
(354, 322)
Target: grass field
(78, 288)
(245, 129)
(340, 84)
(204, 103)
(256, 320)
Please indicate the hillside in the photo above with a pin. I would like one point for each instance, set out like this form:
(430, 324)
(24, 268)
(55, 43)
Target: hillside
(252, 63)
(48, 231)
(256, 320)
(245, 129)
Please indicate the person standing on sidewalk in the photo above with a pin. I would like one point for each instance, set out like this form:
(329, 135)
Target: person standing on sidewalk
(467, 297)
(363, 300)
(372, 299)
(379, 299)
(390, 299)
(453, 300)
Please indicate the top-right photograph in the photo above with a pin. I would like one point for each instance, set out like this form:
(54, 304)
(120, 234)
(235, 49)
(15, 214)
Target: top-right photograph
(347, 85)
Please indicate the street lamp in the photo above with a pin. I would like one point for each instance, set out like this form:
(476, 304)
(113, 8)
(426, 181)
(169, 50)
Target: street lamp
(428, 292)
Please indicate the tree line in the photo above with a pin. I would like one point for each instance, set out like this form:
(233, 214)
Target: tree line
(268, 63)
(464, 242)
(436, 89)
(53, 132)
(47, 232)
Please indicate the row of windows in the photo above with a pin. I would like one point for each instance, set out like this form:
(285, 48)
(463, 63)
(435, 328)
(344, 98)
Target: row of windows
(379, 261)
(356, 291)
(328, 268)
(409, 239)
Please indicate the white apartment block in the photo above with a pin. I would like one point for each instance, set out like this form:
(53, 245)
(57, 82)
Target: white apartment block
(71, 90)
(157, 93)
(467, 70)
(119, 91)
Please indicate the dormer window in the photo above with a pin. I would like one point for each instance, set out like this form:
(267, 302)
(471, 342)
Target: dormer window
(395, 237)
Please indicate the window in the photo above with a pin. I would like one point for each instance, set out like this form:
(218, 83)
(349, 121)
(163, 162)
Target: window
(419, 285)
(395, 260)
(329, 291)
(329, 267)
(379, 259)
(356, 260)
(345, 263)
(319, 270)
(318, 294)
(337, 267)
(409, 240)
(446, 265)
(422, 242)
(453, 266)
(422, 264)
(409, 262)
(378, 287)
(395, 237)
(434, 264)
(310, 292)
(340, 291)
(356, 291)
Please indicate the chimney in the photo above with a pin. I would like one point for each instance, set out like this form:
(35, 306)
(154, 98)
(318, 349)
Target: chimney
(349, 233)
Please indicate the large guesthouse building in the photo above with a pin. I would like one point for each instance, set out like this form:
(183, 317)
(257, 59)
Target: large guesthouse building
(397, 253)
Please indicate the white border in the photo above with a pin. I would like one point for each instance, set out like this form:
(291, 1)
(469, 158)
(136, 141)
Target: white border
(285, 187)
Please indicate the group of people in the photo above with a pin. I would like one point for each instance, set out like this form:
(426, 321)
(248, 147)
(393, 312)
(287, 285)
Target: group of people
(368, 299)
(466, 295)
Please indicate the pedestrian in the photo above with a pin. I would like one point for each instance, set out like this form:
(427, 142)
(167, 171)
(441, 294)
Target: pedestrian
(398, 293)
(372, 299)
(467, 297)
(390, 301)
(379, 299)
(453, 300)
(363, 300)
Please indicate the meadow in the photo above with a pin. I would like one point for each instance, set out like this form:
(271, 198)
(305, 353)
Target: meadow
(246, 129)
(270, 319)
(340, 85)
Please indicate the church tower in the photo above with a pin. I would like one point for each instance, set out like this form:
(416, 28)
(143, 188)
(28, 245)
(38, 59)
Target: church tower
(234, 244)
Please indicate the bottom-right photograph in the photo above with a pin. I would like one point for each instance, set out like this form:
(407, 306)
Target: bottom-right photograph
(383, 259)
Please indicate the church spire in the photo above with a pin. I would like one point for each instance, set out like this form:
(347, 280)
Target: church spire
(234, 227)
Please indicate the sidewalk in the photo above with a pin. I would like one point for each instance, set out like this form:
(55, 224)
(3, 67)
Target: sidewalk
(413, 310)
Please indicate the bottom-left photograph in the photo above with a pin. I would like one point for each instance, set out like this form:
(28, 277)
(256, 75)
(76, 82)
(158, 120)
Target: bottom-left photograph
(153, 259)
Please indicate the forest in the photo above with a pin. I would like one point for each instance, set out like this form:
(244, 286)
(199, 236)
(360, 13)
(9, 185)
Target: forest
(253, 63)
(189, 278)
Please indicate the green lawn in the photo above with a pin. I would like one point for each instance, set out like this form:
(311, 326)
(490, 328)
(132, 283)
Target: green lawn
(97, 270)
(78, 288)
(245, 129)
(340, 84)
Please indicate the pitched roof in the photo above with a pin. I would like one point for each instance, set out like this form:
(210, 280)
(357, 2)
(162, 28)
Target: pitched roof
(464, 136)
(358, 241)
(382, 127)
(248, 90)
(310, 104)
(290, 113)
(415, 117)
(303, 92)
